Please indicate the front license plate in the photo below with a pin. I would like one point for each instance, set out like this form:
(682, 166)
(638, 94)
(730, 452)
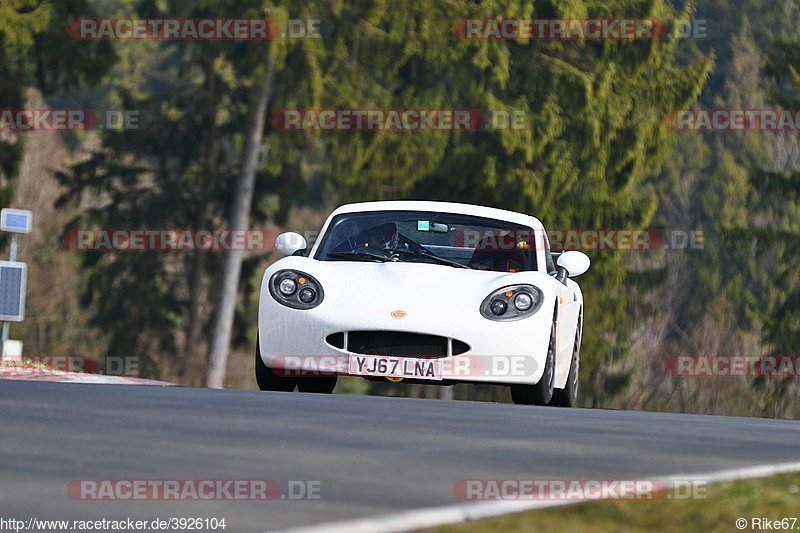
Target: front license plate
(396, 367)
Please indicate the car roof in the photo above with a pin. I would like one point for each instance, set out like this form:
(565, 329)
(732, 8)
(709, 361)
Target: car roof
(444, 207)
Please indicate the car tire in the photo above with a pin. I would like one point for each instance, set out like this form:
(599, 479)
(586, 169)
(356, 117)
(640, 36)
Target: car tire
(542, 392)
(319, 384)
(267, 379)
(568, 396)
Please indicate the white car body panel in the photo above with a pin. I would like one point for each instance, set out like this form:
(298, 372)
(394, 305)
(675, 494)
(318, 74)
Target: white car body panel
(437, 300)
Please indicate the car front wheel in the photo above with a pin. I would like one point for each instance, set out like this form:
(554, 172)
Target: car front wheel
(267, 379)
(542, 392)
(568, 396)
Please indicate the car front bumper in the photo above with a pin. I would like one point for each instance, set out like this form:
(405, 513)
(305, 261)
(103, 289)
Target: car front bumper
(499, 352)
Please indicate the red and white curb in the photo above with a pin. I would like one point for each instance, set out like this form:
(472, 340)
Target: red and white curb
(44, 374)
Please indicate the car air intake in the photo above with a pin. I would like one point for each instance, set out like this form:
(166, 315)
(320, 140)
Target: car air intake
(336, 340)
(459, 347)
(400, 344)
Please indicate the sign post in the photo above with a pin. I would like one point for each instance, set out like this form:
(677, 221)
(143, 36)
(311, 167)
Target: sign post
(13, 274)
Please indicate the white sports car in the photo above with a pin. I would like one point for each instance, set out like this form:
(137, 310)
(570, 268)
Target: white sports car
(426, 292)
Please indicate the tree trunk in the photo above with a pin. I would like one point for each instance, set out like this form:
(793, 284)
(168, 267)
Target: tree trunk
(240, 216)
(198, 282)
(196, 289)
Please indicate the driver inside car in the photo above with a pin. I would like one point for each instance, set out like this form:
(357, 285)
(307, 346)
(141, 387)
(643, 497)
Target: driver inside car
(385, 236)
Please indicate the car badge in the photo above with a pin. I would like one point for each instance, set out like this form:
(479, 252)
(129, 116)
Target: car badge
(398, 313)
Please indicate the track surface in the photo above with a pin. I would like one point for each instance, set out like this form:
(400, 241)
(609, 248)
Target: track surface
(372, 455)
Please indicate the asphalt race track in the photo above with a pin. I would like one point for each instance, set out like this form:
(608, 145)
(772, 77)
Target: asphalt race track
(372, 456)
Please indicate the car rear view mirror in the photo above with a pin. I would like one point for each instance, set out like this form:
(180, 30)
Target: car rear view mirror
(436, 227)
(290, 242)
(573, 263)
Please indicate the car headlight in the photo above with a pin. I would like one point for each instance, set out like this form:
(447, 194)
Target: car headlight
(295, 289)
(512, 303)
(287, 286)
(523, 301)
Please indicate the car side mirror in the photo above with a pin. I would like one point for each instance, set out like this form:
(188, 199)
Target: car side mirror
(571, 264)
(290, 242)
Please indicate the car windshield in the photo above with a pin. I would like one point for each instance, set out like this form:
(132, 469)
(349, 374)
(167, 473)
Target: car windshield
(460, 241)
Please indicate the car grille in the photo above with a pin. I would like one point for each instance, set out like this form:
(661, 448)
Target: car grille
(396, 344)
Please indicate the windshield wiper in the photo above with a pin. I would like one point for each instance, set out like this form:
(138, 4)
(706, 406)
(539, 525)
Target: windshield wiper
(360, 255)
(426, 254)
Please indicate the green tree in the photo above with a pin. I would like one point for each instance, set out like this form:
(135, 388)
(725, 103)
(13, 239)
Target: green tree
(716, 300)
(596, 132)
(596, 113)
(775, 228)
(180, 171)
(20, 22)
